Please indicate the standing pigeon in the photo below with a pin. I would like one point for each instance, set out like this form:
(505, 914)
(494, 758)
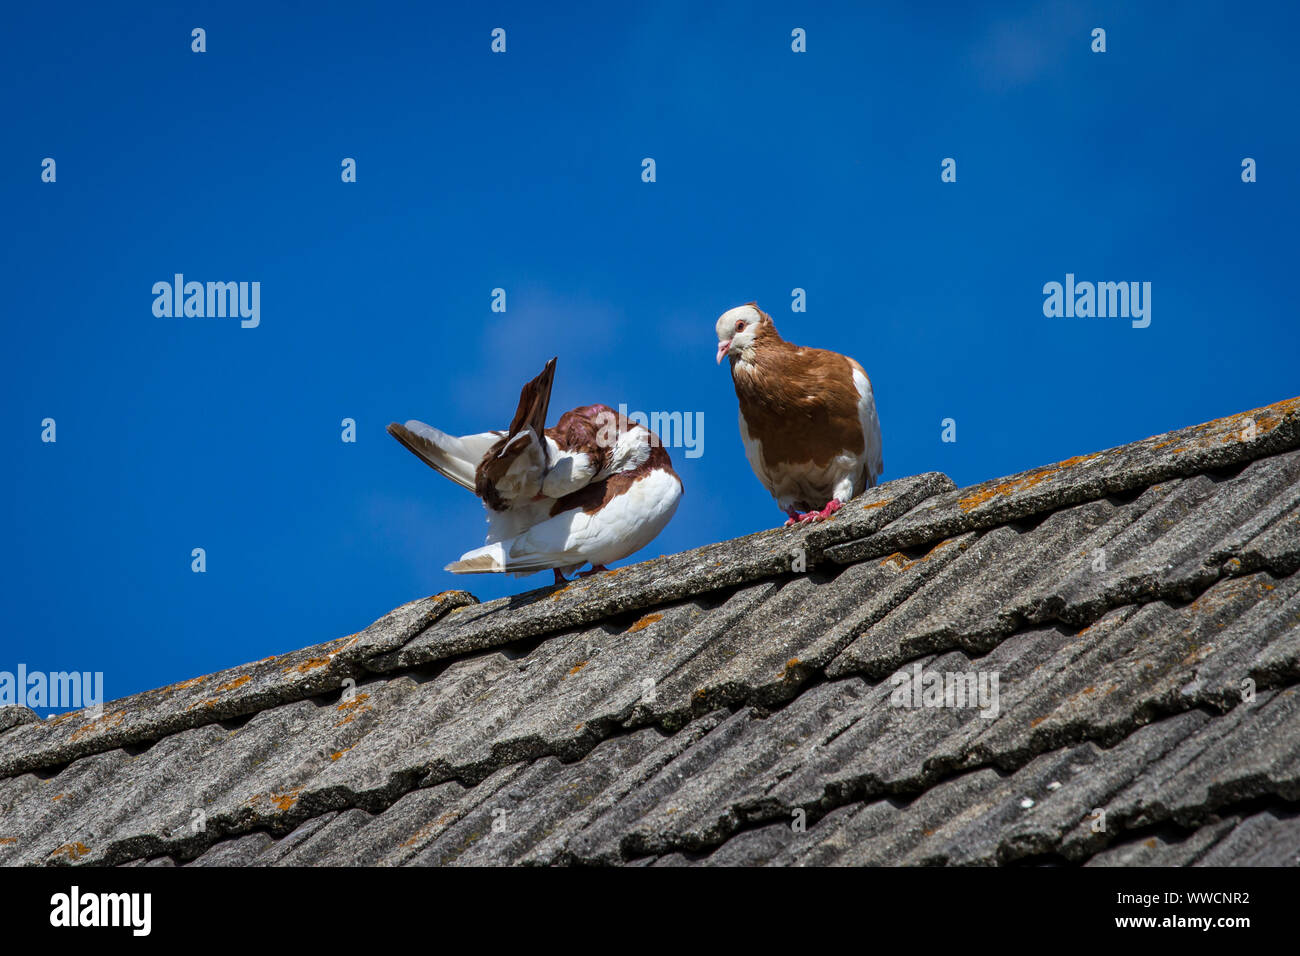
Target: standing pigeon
(807, 416)
(595, 488)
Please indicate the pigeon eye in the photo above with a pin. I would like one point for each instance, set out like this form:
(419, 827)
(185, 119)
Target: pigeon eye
(740, 326)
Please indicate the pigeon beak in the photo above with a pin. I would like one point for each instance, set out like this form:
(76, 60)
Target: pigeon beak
(723, 349)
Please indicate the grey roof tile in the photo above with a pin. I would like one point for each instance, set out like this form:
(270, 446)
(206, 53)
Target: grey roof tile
(1222, 443)
(1269, 838)
(970, 602)
(982, 817)
(690, 709)
(1167, 848)
(231, 693)
(239, 851)
(12, 715)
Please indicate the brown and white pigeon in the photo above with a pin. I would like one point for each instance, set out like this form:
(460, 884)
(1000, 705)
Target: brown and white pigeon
(593, 489)
(807, 416)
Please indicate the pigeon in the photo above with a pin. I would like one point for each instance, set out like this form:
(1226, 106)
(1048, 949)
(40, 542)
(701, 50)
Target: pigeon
(595, 488)
(807, 416)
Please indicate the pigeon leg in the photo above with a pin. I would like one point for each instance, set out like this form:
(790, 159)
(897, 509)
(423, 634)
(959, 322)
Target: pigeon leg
(594, 569)
(794, 517)
(559, 578)
(832, 506)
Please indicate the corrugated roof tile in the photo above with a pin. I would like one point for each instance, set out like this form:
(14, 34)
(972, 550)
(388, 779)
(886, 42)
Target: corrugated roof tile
(739, 704)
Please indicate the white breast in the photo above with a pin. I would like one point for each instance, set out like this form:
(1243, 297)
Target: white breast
(629, 522)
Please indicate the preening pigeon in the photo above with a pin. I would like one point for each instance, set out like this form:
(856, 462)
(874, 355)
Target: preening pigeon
(595, 488)
(807, 416)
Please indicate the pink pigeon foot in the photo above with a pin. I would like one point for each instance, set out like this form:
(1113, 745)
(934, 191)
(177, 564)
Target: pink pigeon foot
(794, 517)
(594, 569)
(832, 506)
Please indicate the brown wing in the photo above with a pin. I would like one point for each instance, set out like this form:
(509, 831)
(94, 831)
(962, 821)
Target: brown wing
(534, 402)
(801, 403)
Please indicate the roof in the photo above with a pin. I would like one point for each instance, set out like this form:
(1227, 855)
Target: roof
(1139, 607)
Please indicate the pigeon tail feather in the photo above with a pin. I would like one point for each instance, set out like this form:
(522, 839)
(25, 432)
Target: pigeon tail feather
(452, 457)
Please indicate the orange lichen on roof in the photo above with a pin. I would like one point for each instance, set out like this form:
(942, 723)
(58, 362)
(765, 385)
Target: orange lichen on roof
(1225, 594)
(1023, 483)
(312, 663)
(576, 667)
(900, 562)
(428, 828)
(58, 796)
(100, 724)
(6, 841)
(192, 682)
(73, 851)
(1234, 428)
(789, 665)
(353, 708)
(285, 801)
(556, 595)
(233, 684)
(339, 753)
(877, 504)
(644, 622)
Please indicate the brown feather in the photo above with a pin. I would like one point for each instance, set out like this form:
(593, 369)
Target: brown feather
(600, 493)
(579, 430)
(534, 402)
(418, 445)
(801, 403)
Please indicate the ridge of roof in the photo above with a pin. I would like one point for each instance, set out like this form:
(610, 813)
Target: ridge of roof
(894, 516)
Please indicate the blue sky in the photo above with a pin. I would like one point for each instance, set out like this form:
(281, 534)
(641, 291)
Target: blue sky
(775, 170)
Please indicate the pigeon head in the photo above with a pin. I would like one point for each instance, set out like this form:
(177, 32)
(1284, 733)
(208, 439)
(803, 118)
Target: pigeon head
(739, 328)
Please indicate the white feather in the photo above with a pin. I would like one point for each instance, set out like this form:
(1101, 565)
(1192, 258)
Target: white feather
(623, 526)
(871, 459)
(455, 457)
(569, 471)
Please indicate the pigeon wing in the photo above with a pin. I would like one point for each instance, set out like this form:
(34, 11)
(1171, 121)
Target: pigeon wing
(515, 465)
(450, 456)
